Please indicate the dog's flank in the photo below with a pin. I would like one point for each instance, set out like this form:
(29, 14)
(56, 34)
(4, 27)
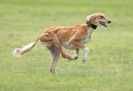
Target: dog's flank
(73, 38)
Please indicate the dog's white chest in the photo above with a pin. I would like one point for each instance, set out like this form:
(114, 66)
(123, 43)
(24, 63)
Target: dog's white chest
(87, 37)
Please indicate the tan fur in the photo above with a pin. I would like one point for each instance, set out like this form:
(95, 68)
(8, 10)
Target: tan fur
(73, 37)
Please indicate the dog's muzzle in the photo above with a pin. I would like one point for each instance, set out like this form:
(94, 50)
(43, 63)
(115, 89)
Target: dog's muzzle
(104, 23)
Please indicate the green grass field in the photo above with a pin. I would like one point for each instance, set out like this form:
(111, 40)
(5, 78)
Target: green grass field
(110, 67)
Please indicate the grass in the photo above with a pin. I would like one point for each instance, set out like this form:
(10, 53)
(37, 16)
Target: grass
(111, 58)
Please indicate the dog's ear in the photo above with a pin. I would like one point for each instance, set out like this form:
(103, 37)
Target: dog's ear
(91, 25)
(91, 18)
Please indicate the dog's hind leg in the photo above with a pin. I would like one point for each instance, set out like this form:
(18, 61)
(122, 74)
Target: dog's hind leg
(55, 57)
(76, 54)
(67, 56)
(81, 46)
(52, 41)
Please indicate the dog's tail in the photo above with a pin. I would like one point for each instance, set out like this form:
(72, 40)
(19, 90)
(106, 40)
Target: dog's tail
(19, 51)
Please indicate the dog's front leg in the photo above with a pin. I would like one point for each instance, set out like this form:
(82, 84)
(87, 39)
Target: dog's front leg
(86, 54)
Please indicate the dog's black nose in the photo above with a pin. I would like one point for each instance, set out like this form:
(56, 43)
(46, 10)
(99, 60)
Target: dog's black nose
(109, 21)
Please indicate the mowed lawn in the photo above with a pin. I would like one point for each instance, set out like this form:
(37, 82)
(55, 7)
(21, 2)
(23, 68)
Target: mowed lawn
(110, 65)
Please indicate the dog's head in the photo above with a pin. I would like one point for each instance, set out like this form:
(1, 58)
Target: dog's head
(98, 19)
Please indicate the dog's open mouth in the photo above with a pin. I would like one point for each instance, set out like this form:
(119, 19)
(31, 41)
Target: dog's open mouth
(103, 23)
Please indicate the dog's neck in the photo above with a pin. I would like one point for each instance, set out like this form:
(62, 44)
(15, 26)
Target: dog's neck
(93, 26)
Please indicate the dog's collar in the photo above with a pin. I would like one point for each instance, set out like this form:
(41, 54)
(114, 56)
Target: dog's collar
(91, 25)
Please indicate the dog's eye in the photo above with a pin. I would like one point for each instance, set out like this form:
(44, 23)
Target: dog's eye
(101, 17)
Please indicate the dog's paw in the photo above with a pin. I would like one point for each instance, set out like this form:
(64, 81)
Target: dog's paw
(53, 71)
(74, 57)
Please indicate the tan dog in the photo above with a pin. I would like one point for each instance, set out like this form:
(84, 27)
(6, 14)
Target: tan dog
(73, 37)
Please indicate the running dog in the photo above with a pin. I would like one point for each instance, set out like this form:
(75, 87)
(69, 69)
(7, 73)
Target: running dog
(73, 37)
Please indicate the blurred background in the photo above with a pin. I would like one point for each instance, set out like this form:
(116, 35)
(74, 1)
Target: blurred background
(111, 58)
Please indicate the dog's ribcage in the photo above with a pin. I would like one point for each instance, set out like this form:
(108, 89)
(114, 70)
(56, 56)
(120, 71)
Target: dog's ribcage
(84, 40)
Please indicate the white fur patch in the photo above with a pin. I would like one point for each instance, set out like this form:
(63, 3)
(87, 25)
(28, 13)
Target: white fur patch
(27, 47)
(86, 53)
(18, 51)
(88, 17)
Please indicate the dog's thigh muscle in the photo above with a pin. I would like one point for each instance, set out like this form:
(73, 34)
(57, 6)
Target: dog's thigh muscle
(53, 50)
